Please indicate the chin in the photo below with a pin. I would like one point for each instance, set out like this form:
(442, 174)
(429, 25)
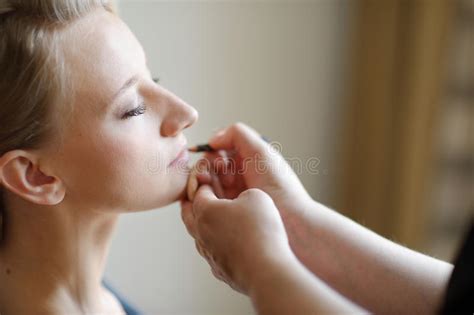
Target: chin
(180, 186)
(174, 197)
(176, 193)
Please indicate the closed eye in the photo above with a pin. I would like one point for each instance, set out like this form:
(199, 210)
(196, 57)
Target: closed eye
(139, 110)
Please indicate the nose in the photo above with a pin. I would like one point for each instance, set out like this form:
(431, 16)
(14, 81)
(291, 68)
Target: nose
(179, 116)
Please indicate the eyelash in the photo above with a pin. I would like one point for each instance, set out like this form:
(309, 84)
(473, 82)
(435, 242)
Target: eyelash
(139, 110)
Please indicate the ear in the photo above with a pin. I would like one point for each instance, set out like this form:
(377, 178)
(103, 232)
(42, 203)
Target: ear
(21, 174)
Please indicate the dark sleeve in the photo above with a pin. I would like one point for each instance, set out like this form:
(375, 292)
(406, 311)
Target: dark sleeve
(459, 298)
(127, 307)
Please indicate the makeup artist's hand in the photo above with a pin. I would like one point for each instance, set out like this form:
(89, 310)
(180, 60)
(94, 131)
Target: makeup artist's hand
(244, 160)
(239, 238)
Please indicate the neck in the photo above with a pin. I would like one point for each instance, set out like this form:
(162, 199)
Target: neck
(54, 258)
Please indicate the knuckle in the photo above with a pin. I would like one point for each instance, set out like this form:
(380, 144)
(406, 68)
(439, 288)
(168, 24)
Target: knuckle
(183, 215)
(239, 127)
(198, 248)
(245, 131)
(257, 196)
(254, 192)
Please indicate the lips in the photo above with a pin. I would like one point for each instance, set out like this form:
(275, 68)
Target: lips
(182, 156)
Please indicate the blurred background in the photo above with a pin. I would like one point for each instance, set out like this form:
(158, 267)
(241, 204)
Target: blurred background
(380, 93)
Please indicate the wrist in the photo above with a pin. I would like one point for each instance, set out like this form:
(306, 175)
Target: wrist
(295, 215)
(269, 266)
(303, 225)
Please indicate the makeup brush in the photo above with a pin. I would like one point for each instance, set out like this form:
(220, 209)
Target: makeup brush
(201, 148)
(207, 148)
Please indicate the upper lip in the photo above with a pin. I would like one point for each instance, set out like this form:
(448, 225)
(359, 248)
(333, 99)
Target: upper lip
(180, 152)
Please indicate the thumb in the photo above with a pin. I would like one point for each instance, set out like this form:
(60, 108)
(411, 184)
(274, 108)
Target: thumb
(205, 193)
(204, 199)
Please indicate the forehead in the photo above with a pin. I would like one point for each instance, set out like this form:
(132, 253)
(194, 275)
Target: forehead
(101, 53)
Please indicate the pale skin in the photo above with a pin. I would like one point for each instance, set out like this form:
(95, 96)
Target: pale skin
(291, 254)
(64, 199)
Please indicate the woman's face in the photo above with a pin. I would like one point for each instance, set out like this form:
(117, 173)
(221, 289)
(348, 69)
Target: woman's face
(125, 130)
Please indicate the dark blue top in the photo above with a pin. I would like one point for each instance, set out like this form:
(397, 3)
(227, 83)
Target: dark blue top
(459, 296)
(128, 308)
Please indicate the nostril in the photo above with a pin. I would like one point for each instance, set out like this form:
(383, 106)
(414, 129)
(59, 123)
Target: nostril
(187, 126)
(191, 120)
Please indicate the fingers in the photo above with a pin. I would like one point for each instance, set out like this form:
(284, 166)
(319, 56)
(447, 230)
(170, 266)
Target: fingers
(245, 140)
(202, 168)
(200, 249)
(218, 274)
(199, 175)
(204, 178)
(214, 266)
(204, 198)
(217, 187)
(211, 162)
(217, 161)
(223, 164)
(207, 201)
(188, 218)
(192, 185)
(226, 168)
(227, 180)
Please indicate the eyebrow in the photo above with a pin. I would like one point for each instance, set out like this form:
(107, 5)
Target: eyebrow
(129, 83)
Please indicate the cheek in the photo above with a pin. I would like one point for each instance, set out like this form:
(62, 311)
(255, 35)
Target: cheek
(100, 166)
(123, 159)
(142, 179)
(122, 170)
(137, 172)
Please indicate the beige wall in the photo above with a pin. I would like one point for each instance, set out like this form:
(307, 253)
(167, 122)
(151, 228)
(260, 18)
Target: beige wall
(278, 66)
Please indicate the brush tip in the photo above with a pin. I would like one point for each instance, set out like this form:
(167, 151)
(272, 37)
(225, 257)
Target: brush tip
(201, 148)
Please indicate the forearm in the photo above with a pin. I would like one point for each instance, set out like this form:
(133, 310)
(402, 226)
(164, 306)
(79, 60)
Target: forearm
(368, 269)
(286, 287)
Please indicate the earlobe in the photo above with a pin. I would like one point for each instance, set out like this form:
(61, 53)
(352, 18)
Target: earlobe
(20, 173)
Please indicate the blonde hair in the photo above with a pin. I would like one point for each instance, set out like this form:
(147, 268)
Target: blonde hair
(33, 78)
